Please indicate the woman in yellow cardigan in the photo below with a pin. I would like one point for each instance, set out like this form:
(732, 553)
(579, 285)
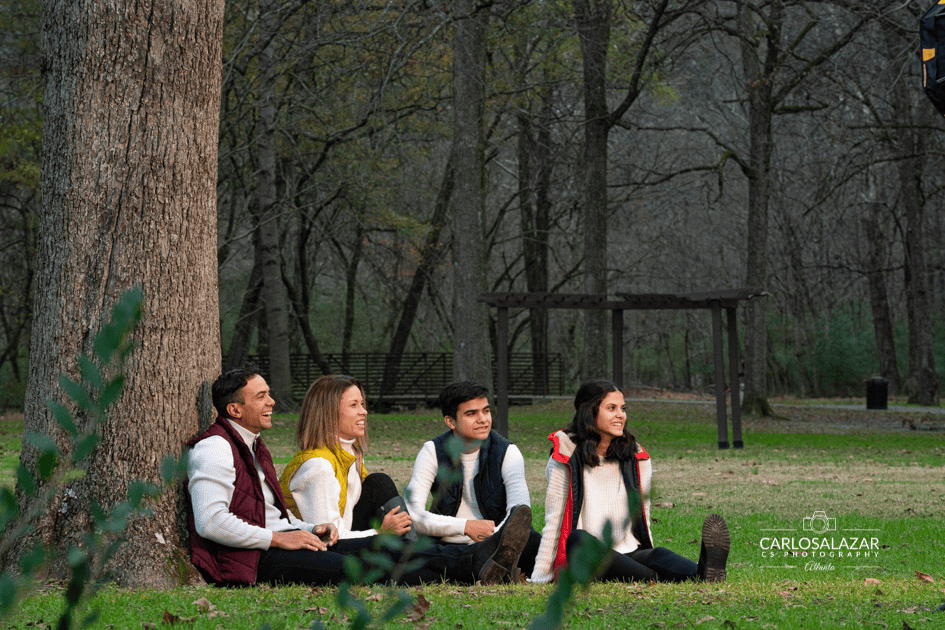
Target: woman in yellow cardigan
(326, 480)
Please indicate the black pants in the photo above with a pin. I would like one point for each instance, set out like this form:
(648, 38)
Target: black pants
(657, 564)
(376, 490)
(451, 562)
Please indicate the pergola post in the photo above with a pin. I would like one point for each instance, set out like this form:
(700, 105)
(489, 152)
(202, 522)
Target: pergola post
(501, 416)
(719, 360)
(733, 364)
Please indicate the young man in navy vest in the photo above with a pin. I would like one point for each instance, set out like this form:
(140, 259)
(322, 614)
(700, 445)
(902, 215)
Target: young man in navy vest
(242, 533)
(476, 477)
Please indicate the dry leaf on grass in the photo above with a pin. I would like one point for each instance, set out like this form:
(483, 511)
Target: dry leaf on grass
(203, 604)
(925, 577)
(418, 611)
(871, 581)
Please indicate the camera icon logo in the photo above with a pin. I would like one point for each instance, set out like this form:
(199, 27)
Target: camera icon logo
(819, 523)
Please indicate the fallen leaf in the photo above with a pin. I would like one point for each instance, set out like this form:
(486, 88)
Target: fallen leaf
(203, 604)
(925, 577)
(418, 610)
(705, 619)
(376, 597)
(871, 581)
(170, 619)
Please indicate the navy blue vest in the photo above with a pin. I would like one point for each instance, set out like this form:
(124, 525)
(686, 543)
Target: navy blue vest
(487, 484)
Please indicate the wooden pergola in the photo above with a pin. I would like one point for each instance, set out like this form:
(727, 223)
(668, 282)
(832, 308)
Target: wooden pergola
(713, 301)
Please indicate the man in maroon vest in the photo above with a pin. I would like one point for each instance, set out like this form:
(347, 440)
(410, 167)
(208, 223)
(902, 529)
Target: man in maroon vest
(241, 531)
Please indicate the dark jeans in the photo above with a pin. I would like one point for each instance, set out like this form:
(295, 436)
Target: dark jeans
(452, 562)
(657, 564)
(526, 561)
(438, 562)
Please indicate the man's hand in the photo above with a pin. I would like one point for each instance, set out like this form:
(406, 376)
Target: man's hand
(395, 522)
(298, 539)
(479, 530)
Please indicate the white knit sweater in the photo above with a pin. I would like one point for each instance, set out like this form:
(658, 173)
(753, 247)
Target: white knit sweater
(604, 500)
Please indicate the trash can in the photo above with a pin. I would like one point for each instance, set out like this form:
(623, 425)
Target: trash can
(877, 393)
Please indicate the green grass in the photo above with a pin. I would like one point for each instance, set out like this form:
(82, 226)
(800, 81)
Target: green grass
(867, 470)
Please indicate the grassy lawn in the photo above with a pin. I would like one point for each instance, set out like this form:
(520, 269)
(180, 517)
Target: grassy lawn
(875, 475)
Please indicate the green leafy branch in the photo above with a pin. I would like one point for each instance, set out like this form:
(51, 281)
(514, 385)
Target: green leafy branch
(101, 385)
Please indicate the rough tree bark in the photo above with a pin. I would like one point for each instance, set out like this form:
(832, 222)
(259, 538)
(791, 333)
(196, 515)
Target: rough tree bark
(471, 348)
(131, 109)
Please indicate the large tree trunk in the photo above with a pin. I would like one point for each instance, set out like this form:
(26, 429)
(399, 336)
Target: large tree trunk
(132, 103)
(593, 25)
(273, 291)
(471, 348)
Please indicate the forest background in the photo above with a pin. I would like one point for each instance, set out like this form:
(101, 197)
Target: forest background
(780, 145)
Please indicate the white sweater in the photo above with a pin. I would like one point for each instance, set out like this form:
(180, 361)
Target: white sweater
(604, 499)
(451, 528)
(317, 493)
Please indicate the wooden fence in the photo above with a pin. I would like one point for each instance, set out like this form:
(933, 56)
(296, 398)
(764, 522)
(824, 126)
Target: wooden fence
(420, 376)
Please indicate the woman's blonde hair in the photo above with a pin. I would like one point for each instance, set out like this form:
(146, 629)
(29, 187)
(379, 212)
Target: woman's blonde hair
(318, 417)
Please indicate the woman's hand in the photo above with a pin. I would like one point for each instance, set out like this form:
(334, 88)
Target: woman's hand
(395, 522)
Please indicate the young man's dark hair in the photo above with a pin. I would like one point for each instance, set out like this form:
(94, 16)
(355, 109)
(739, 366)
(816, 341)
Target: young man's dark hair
(226, 388)
(455, 394)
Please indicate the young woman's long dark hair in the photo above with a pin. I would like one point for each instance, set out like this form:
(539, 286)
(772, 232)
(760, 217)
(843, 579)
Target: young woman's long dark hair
(583, 428)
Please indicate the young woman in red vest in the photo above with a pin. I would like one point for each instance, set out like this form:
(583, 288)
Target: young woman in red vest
(599, 474)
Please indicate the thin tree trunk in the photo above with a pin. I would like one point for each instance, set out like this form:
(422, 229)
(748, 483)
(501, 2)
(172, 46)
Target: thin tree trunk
(922, 382)
(471, 349)
(593, 25)
(273, 292)
(429, 256)
(245, 321)
(760, 107)
(879, 300)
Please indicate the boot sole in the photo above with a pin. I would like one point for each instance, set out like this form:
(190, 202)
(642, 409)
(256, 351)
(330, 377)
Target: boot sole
(715, 539)
(514, 537)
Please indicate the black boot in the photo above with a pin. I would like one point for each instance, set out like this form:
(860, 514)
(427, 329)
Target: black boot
(714, 551)
(496, 556)
(397, 502)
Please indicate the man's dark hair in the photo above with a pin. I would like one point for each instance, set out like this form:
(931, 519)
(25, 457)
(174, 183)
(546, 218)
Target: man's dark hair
(227, 386)
(455, 394)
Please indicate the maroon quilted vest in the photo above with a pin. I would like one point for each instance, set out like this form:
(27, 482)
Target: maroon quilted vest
(220, 563)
